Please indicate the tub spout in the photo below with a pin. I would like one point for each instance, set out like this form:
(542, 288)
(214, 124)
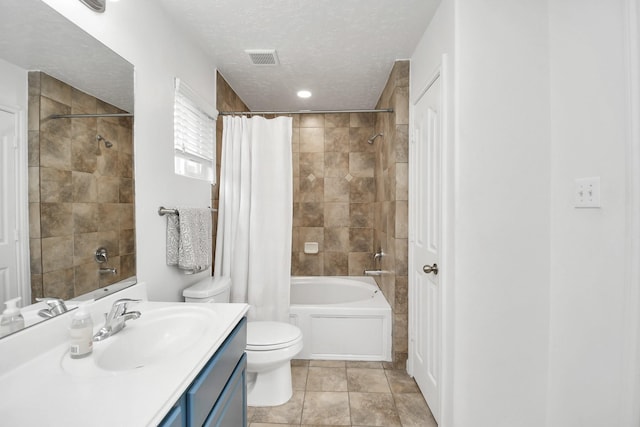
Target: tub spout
(373, 272)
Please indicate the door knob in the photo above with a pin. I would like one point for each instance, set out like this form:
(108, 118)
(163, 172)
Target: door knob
(430, 269)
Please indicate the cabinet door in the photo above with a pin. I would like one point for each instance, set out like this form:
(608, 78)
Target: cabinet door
(175, 417)
(205, 391)
(231, 408)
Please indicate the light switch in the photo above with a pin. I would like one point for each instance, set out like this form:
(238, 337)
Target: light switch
(587, 192)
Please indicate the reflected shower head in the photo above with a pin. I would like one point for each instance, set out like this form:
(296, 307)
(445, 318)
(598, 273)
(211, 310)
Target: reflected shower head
(107, 143)
(370, 140)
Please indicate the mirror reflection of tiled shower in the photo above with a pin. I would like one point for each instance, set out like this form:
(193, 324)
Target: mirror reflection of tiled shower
(81, 190)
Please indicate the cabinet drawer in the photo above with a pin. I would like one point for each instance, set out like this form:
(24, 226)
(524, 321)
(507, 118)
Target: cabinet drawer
(208, 386)
(231, 408)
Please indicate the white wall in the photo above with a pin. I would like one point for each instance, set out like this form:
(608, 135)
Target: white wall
(141, 33)
(13, 86)
(502, 213)
(500, 229)
(589, 95)
(543, 326)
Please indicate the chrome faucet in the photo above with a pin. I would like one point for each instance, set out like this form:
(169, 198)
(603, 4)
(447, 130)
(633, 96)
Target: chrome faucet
(377, 264)
(108, 270)
(56, 307)
(116, 319)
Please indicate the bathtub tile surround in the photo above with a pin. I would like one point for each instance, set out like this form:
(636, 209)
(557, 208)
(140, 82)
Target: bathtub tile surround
(335, 184)
(354, 394)
(391, 202)
(80, 192)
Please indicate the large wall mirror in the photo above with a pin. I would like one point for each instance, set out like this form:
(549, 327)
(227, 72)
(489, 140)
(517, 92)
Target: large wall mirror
(77, 124)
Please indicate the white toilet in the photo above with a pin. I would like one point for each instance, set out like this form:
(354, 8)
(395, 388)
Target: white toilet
(270, 347)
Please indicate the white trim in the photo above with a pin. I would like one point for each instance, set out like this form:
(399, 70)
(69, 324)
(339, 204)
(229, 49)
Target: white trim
(22, 210)
(203, 104)
(433, 79)
(447, 281)
(630, 396)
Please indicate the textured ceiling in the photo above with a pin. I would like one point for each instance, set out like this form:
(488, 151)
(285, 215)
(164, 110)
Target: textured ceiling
(341, 50)
(35, 37)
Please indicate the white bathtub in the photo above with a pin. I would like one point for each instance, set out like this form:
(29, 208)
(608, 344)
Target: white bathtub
(341, 318)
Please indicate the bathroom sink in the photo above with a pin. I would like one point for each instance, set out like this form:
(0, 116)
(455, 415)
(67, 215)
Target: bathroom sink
(158, 335)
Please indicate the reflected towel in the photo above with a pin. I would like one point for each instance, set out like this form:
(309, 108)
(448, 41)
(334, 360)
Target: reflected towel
(189, 239)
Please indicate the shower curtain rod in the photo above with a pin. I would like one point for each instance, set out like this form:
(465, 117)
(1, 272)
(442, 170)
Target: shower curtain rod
(88, 116)
(232, 113)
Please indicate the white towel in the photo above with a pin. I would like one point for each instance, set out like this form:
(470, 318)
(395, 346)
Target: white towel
(189, 239)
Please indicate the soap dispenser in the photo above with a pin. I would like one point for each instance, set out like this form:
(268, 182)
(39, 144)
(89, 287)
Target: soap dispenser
(12, 320)
(81, 332)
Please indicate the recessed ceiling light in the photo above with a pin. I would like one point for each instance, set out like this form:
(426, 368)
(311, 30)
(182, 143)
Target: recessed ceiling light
(304, 94)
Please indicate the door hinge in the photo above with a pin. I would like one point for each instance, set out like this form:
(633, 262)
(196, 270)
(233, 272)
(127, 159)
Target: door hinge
(16, 235)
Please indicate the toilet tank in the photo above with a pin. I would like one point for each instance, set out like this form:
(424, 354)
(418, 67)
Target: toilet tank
(211, 289)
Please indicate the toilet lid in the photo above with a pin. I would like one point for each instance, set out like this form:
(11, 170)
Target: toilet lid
(271, 335)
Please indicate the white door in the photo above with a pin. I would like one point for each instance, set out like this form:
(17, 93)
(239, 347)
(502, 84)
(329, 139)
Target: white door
(424, 244)
(9, 286)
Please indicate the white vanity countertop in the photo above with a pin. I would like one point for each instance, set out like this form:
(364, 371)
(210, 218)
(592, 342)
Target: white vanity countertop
(45, 392)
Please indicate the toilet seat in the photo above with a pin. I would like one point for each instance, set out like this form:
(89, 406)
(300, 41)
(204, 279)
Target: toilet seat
(266, 336)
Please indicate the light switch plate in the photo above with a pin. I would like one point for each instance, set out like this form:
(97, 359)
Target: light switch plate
(587, 192)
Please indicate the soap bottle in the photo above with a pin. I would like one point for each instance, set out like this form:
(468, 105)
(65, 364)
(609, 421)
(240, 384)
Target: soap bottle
(12, 320)
(81, 332)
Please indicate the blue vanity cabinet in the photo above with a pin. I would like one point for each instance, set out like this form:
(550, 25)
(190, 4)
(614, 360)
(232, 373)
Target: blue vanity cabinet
(218, 396)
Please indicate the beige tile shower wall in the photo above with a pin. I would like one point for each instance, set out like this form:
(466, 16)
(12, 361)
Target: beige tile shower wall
(334, 188)
(334, 192)
(81, 194)
(391, 202)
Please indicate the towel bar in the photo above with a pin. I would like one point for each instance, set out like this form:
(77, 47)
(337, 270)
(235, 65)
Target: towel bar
(162, 211)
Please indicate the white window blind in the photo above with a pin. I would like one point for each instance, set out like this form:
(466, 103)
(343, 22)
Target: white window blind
(194, 134)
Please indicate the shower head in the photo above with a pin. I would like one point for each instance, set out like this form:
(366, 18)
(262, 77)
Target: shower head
(370, 140)
(107, 143)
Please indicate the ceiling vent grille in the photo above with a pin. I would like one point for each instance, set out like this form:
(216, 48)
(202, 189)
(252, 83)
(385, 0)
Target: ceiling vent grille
(263, 56)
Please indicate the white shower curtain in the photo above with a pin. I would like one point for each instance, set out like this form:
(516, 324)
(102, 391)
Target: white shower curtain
(253, 244)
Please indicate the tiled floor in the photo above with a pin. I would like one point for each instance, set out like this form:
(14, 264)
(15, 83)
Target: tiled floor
(336, 393)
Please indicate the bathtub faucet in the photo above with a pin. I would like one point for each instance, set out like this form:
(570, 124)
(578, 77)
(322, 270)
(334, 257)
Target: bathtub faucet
(377, 259)
(373, 272)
